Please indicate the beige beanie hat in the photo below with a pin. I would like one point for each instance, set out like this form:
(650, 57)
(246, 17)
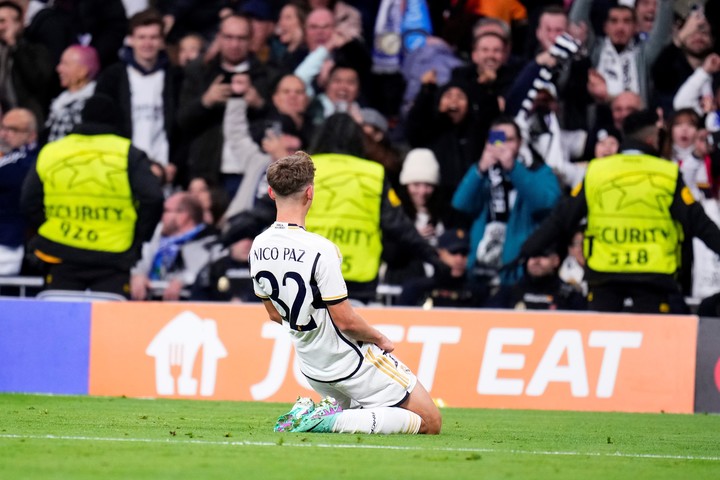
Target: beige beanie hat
(420, 166)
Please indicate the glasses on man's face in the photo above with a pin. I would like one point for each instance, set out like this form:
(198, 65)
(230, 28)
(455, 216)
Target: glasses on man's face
(12, 129)
(237, 38)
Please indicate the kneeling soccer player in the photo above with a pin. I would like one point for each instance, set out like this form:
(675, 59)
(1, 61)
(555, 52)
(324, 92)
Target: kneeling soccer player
(297, 275)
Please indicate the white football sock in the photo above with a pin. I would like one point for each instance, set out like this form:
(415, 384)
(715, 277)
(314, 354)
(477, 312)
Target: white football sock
(377, 420)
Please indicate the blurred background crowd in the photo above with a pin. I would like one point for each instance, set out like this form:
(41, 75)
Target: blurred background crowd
(481, 116)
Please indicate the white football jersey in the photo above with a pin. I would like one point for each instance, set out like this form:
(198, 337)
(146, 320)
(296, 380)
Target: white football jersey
(300, 273)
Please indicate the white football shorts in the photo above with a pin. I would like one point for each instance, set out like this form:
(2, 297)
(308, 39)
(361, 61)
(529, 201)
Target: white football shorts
(381, 381)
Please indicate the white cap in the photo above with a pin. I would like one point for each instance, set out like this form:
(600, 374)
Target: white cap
(420, 166)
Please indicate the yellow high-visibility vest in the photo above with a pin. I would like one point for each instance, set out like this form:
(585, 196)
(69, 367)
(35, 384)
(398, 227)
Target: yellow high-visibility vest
(88, 201)
(346, 210)
(630, 229)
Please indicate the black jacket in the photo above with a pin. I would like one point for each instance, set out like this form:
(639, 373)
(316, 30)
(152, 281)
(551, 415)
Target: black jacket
(571, 210)
(115, 83)
(32, 76)
(538, 293)
(202, 126)
(147, 194)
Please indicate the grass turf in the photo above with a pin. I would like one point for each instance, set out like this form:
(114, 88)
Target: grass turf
(52, 437)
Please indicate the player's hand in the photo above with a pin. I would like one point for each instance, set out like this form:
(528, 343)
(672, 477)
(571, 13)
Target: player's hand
(385, 344)
(218, 92)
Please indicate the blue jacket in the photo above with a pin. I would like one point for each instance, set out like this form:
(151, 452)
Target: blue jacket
(13, 168)
(537, 192)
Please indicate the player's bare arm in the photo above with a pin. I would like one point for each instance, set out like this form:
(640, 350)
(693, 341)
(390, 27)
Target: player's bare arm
(272, 312)
(352, 324)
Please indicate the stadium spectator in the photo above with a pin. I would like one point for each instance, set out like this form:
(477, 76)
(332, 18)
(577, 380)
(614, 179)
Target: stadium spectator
(541, 288)
(192, 16)
(378, 145)
(442, 120)
(289, 41)
(553, 21)
(632, 245)
(320, 40)
(687, 146)
(435, 55)
(621, 63)
(507, 195)
(146, 88)
(572, 268)
(101, 24)
(347, 18)
(318, 322)
(26, 70)
(212, 198)
(358, 216)
(341, 94)
(446, 288)
(419, 177)
(178, 250)
(190, 47)
(262, 20)
(95, 200)
(289, 99)
(240, 146)
(328, 46)
(533, 100)
(18, 143)
(645, 12)
(205, 92)
(77, 70)
(489, 76)
(677, 62)
(604, 142)
(701, 92)
(227, 279)
(621, 106)
(356, 208)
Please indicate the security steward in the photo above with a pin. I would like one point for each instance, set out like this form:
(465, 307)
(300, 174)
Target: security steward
(355, 208)
(94, 200)
(638, 211)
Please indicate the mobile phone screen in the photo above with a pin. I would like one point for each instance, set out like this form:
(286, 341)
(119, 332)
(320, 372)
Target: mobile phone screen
(496, 136)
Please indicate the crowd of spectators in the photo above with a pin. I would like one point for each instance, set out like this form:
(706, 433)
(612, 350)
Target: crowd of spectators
(483, 114)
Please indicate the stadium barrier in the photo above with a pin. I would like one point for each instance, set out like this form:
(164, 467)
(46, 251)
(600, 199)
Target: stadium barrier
(466, 358)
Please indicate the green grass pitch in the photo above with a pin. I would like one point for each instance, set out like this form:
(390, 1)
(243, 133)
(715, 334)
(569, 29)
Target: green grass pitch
(68, 437)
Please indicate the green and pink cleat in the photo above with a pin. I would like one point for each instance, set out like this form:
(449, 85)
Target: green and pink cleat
(305, 416)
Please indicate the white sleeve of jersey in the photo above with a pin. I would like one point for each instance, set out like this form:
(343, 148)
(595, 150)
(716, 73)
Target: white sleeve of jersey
(259, 292)
(328, 274)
